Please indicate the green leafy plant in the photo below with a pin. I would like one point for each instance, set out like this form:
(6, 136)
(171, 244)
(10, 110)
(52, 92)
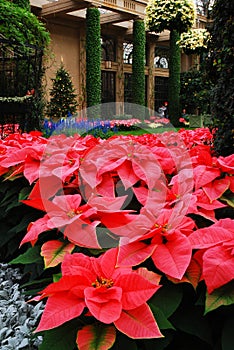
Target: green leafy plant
(22, 3)
(220, 71)
(21, 26)
(195, 92)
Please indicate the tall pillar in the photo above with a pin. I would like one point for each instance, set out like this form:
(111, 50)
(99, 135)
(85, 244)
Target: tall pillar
(150, 87)
(138, 62)
(119, 76)
(82, 69)
(93, 57)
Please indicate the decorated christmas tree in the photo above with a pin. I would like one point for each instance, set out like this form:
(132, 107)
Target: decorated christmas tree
(63, 100)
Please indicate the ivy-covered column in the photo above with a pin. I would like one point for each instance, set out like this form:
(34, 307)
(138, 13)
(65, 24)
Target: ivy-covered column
(138, 62)
(93, 57)
(25, 4)
(174, 78)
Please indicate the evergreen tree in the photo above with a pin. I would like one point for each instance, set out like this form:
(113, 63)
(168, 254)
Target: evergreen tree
(220, 69)
(63, 97)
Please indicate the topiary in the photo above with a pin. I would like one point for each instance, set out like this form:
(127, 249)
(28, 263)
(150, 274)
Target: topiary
(177, 16)
(138, 63)
(93, 57)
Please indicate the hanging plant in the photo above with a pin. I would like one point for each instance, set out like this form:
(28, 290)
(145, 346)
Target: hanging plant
(195, 41)
(176, 15)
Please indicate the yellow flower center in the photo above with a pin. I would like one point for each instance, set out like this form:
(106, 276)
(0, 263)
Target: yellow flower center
(73, 212)
(162, 227)
(103, 282)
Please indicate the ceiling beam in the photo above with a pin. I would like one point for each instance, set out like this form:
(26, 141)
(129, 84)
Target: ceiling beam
(62, 7)
(115, 18)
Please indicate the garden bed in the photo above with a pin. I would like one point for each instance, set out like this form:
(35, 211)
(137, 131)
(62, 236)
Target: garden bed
(130, 239)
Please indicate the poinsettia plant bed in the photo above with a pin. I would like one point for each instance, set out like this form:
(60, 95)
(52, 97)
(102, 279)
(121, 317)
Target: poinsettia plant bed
(133, 238)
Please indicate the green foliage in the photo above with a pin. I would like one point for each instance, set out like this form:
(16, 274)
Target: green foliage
(14, 216)
(194, 92)
(32, 255)
(23, 3)
(61, 338)
(220, 68)
(174, 79)
(63, 97)
(138, 63)
(93, 57)
(220, 297)
(194, 41)
(176, 15)
(228, 335)
(21, 26)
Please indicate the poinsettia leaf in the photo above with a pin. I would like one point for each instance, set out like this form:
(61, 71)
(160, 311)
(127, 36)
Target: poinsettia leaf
(159, 343)
(134, 253)
(61, 338)
(124, 342)
(35, 229)
(32, 255)
(60, 309)
(162, 321)
(204, 174)
(138, 323)
(220, 297)
(96, 337)
(136, 290)
(54, 251)
(57, 276)
(228, 334)
(190, 319)
(218, 267)
(216, 188)
(228, 199)
(168, 298)
(212, 235)
(174, 257)
(192, 274)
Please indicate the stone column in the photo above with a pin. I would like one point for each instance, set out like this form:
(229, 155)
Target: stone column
(119, 76)
(150, 87)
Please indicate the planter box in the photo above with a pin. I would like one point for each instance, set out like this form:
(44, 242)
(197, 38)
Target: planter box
(14, 108)
(196, 121)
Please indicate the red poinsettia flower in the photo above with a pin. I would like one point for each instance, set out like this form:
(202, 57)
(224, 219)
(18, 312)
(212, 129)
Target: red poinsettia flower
(169, 246)
(218, 257)
(77, 221)
(112, 295)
